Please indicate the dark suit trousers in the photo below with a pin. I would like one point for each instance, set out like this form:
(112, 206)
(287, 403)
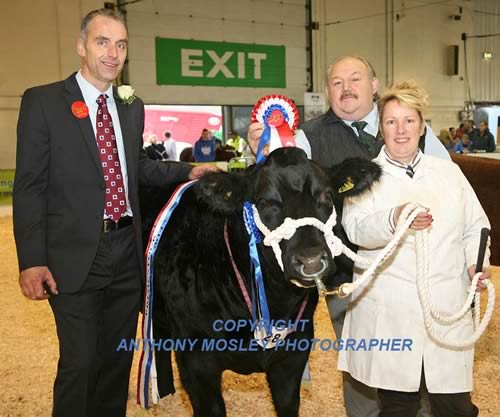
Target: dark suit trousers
(406, 404)
(92, 377)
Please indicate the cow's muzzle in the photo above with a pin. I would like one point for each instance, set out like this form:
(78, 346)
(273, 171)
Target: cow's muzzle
(308, 266)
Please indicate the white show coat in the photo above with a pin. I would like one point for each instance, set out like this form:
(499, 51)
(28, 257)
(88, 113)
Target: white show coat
(390, 307)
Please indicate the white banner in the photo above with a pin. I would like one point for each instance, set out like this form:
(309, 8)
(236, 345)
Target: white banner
(314, 105)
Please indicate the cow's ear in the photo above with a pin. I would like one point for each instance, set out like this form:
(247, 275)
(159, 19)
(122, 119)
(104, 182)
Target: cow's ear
(353, 176)
(224, 193)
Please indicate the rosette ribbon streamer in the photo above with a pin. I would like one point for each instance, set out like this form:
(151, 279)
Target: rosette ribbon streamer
(147, 366)
(255, 237)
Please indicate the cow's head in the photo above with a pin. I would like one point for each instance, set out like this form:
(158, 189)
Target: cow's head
(288, 185)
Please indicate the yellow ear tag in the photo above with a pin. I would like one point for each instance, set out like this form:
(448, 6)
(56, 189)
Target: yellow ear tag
(228, 195)
(348, 185)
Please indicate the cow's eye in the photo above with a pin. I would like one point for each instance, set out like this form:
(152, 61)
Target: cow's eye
(263, 204)
(325, 198)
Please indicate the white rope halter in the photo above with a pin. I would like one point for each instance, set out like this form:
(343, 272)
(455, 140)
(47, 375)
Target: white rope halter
(289, 226)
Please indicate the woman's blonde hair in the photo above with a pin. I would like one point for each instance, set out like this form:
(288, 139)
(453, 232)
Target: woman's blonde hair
(407, 93)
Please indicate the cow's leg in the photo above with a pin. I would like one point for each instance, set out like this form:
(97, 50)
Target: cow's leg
(201, 378)
(284, 379)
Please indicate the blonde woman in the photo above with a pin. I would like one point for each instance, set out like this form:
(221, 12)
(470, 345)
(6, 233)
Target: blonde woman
(390, 307)
(446, 138)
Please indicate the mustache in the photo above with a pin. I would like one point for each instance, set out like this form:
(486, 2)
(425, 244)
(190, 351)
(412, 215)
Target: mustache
(348, 94)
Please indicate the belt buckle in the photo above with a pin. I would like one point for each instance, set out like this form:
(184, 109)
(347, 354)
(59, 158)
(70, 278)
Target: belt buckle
(109, 225)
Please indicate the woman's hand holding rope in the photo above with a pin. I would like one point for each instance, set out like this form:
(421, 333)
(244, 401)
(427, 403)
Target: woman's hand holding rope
(486, 274)
(421, 222)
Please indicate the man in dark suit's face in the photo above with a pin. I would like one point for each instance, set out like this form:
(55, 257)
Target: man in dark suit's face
(103, 48)
(351, 88)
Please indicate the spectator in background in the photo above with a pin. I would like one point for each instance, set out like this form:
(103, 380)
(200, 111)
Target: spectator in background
(468, 127)
(170, 146)
(204, 148)
(218, 141)
(482, 139)
(446, 139)
(463, 145)
(459, 132)
(156, 151)
(465, 127)
(453, 132)
(237, 142)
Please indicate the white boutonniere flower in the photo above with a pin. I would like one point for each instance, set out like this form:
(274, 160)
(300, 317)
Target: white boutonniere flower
(126, 94)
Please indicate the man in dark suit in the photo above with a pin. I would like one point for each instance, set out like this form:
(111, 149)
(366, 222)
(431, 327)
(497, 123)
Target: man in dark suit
(77, 219)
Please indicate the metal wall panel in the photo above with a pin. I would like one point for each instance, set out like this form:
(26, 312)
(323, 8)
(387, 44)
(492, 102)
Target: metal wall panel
(264, 22)
(485, 75)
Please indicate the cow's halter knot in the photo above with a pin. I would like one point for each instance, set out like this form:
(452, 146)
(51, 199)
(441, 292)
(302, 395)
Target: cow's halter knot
(288, 228)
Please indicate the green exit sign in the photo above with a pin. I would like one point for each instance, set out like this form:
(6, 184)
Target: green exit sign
(203, 63)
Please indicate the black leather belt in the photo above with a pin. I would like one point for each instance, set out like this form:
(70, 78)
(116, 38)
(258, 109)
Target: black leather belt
(109, 225)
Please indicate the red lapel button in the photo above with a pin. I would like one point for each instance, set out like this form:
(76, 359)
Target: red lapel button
(80, 109)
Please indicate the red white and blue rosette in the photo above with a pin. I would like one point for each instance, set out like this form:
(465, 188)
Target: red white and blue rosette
(280, 118)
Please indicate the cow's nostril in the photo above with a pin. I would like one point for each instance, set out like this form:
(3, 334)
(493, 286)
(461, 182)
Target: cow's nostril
(310, 264)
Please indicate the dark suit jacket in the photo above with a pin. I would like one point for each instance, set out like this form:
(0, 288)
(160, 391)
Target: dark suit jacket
(59, 186)
(332, 140)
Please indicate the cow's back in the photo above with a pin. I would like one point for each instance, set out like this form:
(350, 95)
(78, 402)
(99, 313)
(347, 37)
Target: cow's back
(194, 275)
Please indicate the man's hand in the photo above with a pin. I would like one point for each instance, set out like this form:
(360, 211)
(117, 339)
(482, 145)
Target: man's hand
(421, 222)
(199, 170)
(33, 280)
(253, 136)
(486, 274)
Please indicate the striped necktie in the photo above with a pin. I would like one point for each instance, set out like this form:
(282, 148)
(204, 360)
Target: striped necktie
(364, 137)
(409, 169)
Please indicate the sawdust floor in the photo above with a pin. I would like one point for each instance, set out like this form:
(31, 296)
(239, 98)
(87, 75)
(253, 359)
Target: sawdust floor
(29, 350)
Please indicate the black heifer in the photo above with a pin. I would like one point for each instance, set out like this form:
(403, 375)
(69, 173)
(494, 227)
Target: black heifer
(195, 284)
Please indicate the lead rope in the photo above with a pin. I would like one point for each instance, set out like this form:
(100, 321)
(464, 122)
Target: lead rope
(432, 315)
(289, 226)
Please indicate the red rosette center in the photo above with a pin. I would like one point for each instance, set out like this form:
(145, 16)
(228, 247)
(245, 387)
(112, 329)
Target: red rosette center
(276, 118)
(288, 105)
